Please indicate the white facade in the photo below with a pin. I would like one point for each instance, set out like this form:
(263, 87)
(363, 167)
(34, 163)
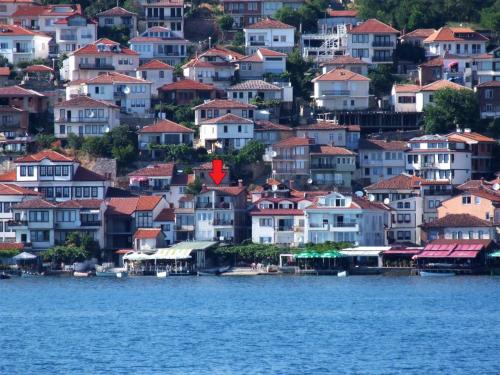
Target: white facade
(75, 32)
(228, 131)
(378, 164)
(366, 42)
(160, 43)
(279, 39)
(157, 77)
(18, 44)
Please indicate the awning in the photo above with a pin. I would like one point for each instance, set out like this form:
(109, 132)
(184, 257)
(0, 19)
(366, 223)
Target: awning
(360, 253)
(433, 254)
(495, 254)
(402, 252)
(464, 254)
(172, 253)
(24, 256)
(137, 256)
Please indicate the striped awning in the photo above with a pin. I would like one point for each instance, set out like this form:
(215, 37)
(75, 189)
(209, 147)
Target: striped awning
(172, 253)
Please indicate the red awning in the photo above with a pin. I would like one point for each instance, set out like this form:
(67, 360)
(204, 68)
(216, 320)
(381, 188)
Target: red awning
(464, 254)
(433, 254)
(469, 247)
(401, 252)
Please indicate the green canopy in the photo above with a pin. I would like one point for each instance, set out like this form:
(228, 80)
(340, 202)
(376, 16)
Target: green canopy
(332, 254)
(495, 254)
(307, 255)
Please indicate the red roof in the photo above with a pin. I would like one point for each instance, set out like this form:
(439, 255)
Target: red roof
(455, 34)
(158, 170)
(380, 144)
(146, 233)
(443, 84)
(91, 49)
(10, 176)
(11, 246)
(18, 91)
(340, 74)
(127, 206)
(155, 65)
(114, 77)
(35, 203)
(342, 13)
(47, 10)
(489, 84)
(167, 214)
(165, 126)
(47, 154)
(187, 84)
(419, 33)
(224, 104)
(115, 12)
(11, 189)
(457, 221)
(471, 136)
(330, 150)
(4, 71)
(15, 30)
(408, 88)
(401, 182)
(373, 26)
(85, 101)
(38, 68)
(344, 60)
(322, 125)
(265, 125)
(92, 204)
(228, 118)
(269, 23)
(230, 190)
(254, 84)
(294, 141)
(270, 53)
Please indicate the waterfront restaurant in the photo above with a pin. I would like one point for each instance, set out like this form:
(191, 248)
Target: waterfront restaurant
(365, 256)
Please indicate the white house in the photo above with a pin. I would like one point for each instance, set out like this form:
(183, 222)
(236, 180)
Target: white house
(341, 89)
(380, 159)
(165, 220)
(271, 34)
(455, 40)
(372, 41)
(486, 66)
(218, 107)
(160, 43)
(74, 32)
(101, 56)
(248, 90)
(85, 116)
(438, 157)
(19, 44)
(156, 71)
(9, 7)
(226, 132)
(354, 64)
(164, 132)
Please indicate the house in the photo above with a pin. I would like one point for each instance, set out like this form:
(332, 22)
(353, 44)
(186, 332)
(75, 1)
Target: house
(353, 64)
(324, 132)
(227, 132)
(341, 89)
(331, 165)
(57, 177)
(160, 43)
(457, 227)
(290, 159)
(431, 71)
(157, 72)
(4, 75)
(337, 217)
(455, 40)
(183, 92)
(215, 108)
(438, 157)
(481, 147)
(271, 34)
(101, 56)
(42, 224)
(434, 192)
(132, 95)
(489, 99)
(402, 193)
(185, 219)
(74, 32)
(13, 121)
(165, 220)
(372, 41)
(117, 17)
(38, 72)
(10, 195)
(381, 159)
(9, 7)
(220, 214)
(165, 13)
(334, 18)
(269, 133)
(263, 62)
(202, 174)
(486, 67)
(244, 12)
(85, 116)
(249, 90)
(164, 132)
(417, 36)
(19, 44)
(269, 7)
(44, 17)
(25, 99)
(125, 215)
(148, 239)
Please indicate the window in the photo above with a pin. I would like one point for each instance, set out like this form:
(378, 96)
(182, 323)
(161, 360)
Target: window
(78, 192)
(144, 219)
(39, 216)
(86, 192)
(360, 38)
(162, 74)
(477, 200)
(466, 200)
(94, 192)
(23, 171)
(39, 235)
(62, 129)
(268, 222)
(225, 128)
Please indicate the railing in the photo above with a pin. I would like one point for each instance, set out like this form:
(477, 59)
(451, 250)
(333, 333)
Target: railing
(82, 119)
(171, 54)
(285, 229)
(87, 36)
(216, 78)
(186, 227)
(222, 222)
(162, 18)
(323, 166)
(335, 93)
(257, 43)
(68, 37)
(226, 239)
(96, 66)
(224, 205)
(91, 223)
(17, 223)
(119, 94)
(24, 50)
(382, 58)
(382, 43)
(204, 205)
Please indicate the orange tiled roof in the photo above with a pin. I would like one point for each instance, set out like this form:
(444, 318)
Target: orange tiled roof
(47, 10)
(46, 154)
(167, 214)
(230, 190)
(144, 233)
(265, 125)
(18, 91)
(228, 118)
(330, 150)
(155, 65)
(12, 189)
(224, 104)
(38, 68)
(4, 71)
(294, 141)
(344, 60)
(457, 221)
(10, 176)
(400, 182)
(380, 144)
(85, 101)
(443, 84)
(114, 77)
(165, 126)
(91, 49)
(374, 26)
(269, 23)
(187, 84)
(15, 30)
(115, 12)
(452, 34)
(163, 169)
(127, 206)
(342, 13)
(340, 74)
(419, 33)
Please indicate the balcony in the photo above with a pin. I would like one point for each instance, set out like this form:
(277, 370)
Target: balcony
(224, 205)
(257, 43)
(204, 205)
(68, 37)
(17, 223)
(382, 58)
(169, 54)
(221, 79)
(323, 166)
(184, 227)
(91, 223)
(96, 66)
(382, 43)
(24, 50)
(163, 18)
(222, 222)
(82, 119)
(285, 229)
(335, 93)
(119, 94)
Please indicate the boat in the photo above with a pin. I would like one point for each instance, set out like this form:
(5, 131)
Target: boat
(214, 271)
(112, 272)
(161, 274)
(4, 276)
(31, 274)
(82, 274)
(436, 273)
(342, 274)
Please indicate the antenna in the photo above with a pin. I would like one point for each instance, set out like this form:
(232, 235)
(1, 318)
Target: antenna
(387, 201)
(496, 186)
(359, 193)
(371, 197)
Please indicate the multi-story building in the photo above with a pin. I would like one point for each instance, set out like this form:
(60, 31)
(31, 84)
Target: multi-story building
(155, 178)
(334, 18)
(458, 227)
(9, 7)
(185, 91)
(219, 107)
(481, 148)
(185, 219)
(165, 13)
(290, 159)
(85, 116)
(246, 91)
(13, 121)
(165, 220)
(433, 193)
(130, 94)
(354, 64)
(160, 43)
(164, 132)
(220, 214)
(43, 18)
(74, 32)
(118, 17)
(269, 133)
(271, 34)
(28, 100)
(438, 157)
(262, 62)
(487, 67)
(324, 132)
(417, 36)
(402, 194)
(330, 165)
(227, 132)
(489, 99)
(455, 40)
(381, 159)
(372, 41)
(101, 56)
(57, 177)
(244, 12)
(341, 89)
(270, 7)
(19, 44)
(342, 218)
(157, 72)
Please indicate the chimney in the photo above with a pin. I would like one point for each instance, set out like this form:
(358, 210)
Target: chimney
(467, 130)
(240, 183)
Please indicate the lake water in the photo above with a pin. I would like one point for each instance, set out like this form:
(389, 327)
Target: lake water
(250, 325)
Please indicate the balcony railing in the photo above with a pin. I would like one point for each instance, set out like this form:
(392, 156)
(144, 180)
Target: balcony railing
(91, 223)
(169, 54)
(382, 43)
(217, 78)
(323, 166)
(257, 43)
(204, 205)
(224, 205)
(82, 119)
(119, 94)
(222, 222)
(382, 58)
(24, 50)
(335, 93)
(285, 229)
(162, 18)
(96, 66)
(70, 37)
(184, 227)
(17, 223)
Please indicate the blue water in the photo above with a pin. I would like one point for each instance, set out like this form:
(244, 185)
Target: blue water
(250, 325)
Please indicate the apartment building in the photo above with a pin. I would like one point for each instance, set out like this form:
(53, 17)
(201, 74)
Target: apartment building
(487, 67)
(157, 72)
(9, 7)
(19, 44)
(489, 99)
(458, 227)
(246, 91)
(324, 132)
(218, 107)
(85, 116)
(244, 12)
(372, 41)
(28, 100)
(381, 159)
(269, 133)
(455, 40)
(290, 159)
(214, 67)
(227, 132)
(164, 132)
(353, 64)
(13, 121)
(481, 148)
(262, 62)
(417, 36)
(165, 13)
(271, 34)
(341, 89)
(118, 17)
(74, 32)
(185, 91)
(330, 165)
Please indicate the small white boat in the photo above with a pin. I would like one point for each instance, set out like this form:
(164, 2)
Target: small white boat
(436, 273)
(161, 274)
(81, 274)
(112, 272)
(342, 274)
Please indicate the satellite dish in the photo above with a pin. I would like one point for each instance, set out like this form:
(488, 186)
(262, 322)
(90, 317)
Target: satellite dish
(309, 181)
(387, 201)
(274, 187)
(359, 194)
(496, 186)
(274, 153)
(371, 197)
(126, 90)
(91, 114)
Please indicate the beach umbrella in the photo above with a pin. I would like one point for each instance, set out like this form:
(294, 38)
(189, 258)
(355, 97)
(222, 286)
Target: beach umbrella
(24, 256)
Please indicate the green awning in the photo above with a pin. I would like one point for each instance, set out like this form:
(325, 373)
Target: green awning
(307, 255)
(495, 254)
(332, 254)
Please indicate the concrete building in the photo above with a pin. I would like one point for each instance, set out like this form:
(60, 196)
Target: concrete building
(165, 13)
(227, 132)
(455, 40)
(157, 72)
(19, 44)
(164, 132)
(381, 159)
(117, 17)
(218, 107)
(271, 34)
(74, 32)
(262, 62)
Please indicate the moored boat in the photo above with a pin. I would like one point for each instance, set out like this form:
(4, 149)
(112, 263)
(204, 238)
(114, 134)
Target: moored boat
(82, 274)
(4, 276)
(161, 274)
(436, 273)
(112, 272)
(342, 274)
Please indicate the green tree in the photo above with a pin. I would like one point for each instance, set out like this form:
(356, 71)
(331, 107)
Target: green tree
(238, 39)
(124, 155)
(45, 140)
(381, 80)
(95, 146)
(75, 141)
(490, 17)
(66, 253)
(118, 33)
(301, 73)
(194, 187)
(452, 108)
(225, 22)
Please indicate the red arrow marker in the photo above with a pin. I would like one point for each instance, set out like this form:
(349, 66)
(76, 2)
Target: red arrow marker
(217, 174)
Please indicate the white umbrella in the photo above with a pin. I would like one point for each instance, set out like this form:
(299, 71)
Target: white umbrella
(136, 256)
(24, 256)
